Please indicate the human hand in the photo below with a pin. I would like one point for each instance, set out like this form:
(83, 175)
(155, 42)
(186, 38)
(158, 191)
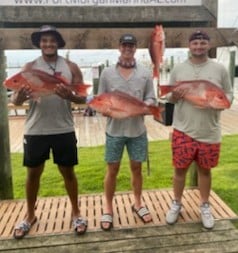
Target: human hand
(178, 94)
(24, 93)
(63, 91)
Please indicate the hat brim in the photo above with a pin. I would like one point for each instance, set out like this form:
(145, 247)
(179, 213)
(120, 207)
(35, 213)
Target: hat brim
(35, 38)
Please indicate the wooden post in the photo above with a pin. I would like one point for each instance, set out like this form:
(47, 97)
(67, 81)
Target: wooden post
(193, 175)
(6, 189)
(232, 66)
(96, 79)
(171, 62)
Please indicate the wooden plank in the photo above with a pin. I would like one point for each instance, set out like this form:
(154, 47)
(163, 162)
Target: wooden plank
(98, 210)
(20, 213)
(158, 215)
(116, 215)
(221, 204)
(52, 216)
(148, 197)
(223, 238)
(67, 216)
(3, 209)
(54, 213)
(83, 200)
(128, 210)
(196, 196)
(101, 38)
(159, 239)
(121, 211)
(43, 224)
(107, 14)
(9, 218)
(91, 213)
(59, 214)
(163, 202)
(191, 206)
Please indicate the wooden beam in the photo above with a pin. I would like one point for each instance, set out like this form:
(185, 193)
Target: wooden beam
(6, 189)
(81, 16)
(107, 38)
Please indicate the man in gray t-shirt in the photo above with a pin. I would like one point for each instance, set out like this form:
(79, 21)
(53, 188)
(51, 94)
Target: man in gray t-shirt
(129, 77)
(197, 132)
(49, 126)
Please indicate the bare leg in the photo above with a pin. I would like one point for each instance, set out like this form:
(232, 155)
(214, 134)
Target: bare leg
(32, 187)
(109, 188)
(179, 183)
(137, 182)
(204, 183)
(71, 186)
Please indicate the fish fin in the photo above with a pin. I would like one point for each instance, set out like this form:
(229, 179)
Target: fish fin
(81, 89)
(164, 89)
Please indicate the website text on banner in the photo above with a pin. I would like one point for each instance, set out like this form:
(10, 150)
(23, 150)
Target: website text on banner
(102, 3)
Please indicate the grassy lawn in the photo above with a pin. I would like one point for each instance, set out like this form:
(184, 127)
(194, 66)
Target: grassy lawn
(91, 169)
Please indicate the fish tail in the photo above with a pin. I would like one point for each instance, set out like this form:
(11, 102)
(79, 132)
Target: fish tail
(81, 89)
(164, 89)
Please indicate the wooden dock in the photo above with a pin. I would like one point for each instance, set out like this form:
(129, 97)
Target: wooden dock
(53, 229)
(90, 131)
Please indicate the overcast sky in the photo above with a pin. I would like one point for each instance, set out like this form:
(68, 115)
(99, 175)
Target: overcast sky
(227, 13)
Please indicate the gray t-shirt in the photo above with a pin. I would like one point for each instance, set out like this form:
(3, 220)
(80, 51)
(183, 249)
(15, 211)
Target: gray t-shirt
(140, 85)
(200, 124)
(51, 114)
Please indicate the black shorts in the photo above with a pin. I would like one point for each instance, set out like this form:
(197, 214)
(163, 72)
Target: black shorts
(37, 149)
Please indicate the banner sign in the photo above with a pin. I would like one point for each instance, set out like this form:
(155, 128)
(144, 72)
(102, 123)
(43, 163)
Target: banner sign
(101, 3)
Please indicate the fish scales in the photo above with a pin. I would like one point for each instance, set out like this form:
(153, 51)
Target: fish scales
(42, 83)
(117, 104)
(201, 93)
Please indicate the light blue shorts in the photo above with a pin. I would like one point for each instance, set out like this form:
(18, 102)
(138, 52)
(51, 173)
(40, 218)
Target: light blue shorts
(136, 148)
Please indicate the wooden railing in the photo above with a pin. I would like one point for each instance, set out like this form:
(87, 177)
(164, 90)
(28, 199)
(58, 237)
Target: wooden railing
(25, 107)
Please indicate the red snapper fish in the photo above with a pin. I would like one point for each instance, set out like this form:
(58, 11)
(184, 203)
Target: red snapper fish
(201, 93)
(156, 49)
(120, 105)
(42, 83)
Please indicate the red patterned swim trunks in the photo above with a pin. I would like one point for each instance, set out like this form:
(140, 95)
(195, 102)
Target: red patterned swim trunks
(186, 150)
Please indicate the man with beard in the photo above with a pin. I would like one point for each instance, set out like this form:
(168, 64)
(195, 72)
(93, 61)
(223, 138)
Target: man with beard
(49, 126)
(197, 132)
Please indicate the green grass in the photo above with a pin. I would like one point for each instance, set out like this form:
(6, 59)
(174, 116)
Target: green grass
(91, 169)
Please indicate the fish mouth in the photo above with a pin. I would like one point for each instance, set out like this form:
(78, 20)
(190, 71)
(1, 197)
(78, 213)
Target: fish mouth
(5, 83)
